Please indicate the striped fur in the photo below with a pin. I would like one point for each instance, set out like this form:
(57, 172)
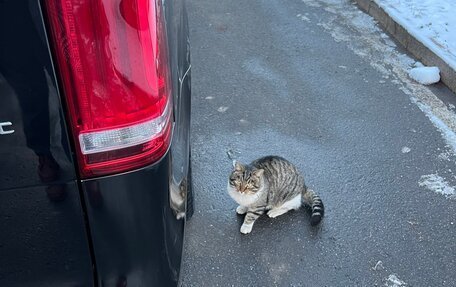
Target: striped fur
(270, 185)
(316, 204)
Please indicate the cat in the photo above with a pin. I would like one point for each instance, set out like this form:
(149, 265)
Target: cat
(270, 184)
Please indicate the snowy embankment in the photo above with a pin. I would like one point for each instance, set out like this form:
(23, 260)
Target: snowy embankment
(433, 23)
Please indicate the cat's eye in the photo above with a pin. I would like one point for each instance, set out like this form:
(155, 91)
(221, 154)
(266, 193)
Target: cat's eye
(234, 180)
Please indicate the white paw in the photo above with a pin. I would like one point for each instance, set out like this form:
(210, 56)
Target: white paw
(241, 209)
(246, 228)
(273, 213)
(180, 215)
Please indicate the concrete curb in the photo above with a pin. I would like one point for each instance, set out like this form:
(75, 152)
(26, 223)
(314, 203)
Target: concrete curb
(421, 52)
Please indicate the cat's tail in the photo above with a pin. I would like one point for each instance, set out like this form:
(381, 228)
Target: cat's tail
(314, 201)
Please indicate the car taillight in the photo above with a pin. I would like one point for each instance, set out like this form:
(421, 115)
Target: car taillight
(111, 56)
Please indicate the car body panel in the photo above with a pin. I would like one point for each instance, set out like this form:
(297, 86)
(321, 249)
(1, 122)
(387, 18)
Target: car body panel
(137, 238)
(58, 230)
(137, 219)
(43, 239)
(29, 100)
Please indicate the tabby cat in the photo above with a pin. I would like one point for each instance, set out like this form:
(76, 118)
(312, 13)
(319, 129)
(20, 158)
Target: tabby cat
(270, 184)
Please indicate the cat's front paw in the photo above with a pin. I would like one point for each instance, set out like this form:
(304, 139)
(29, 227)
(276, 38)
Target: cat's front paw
(273, 213)
(241, 209)
(246, 228)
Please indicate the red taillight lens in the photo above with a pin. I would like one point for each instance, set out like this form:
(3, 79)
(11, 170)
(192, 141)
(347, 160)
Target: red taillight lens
(112, 59)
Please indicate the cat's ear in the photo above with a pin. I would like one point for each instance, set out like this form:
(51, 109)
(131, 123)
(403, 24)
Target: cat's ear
(238, 166)
(258, 173)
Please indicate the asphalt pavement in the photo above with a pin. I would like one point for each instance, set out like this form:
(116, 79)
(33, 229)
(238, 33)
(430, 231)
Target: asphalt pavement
(318, 83)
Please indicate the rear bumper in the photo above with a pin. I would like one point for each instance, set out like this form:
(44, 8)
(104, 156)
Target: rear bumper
(136, 236)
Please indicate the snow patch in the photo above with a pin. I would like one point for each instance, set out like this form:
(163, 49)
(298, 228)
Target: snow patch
(406, 149)
(444, 156)
(311, 3)
(303, 17)
(431, 22)
(425, 75)
(222, 109)
(440, 122)
(437, 184)
(394, 281)
(418, 64)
